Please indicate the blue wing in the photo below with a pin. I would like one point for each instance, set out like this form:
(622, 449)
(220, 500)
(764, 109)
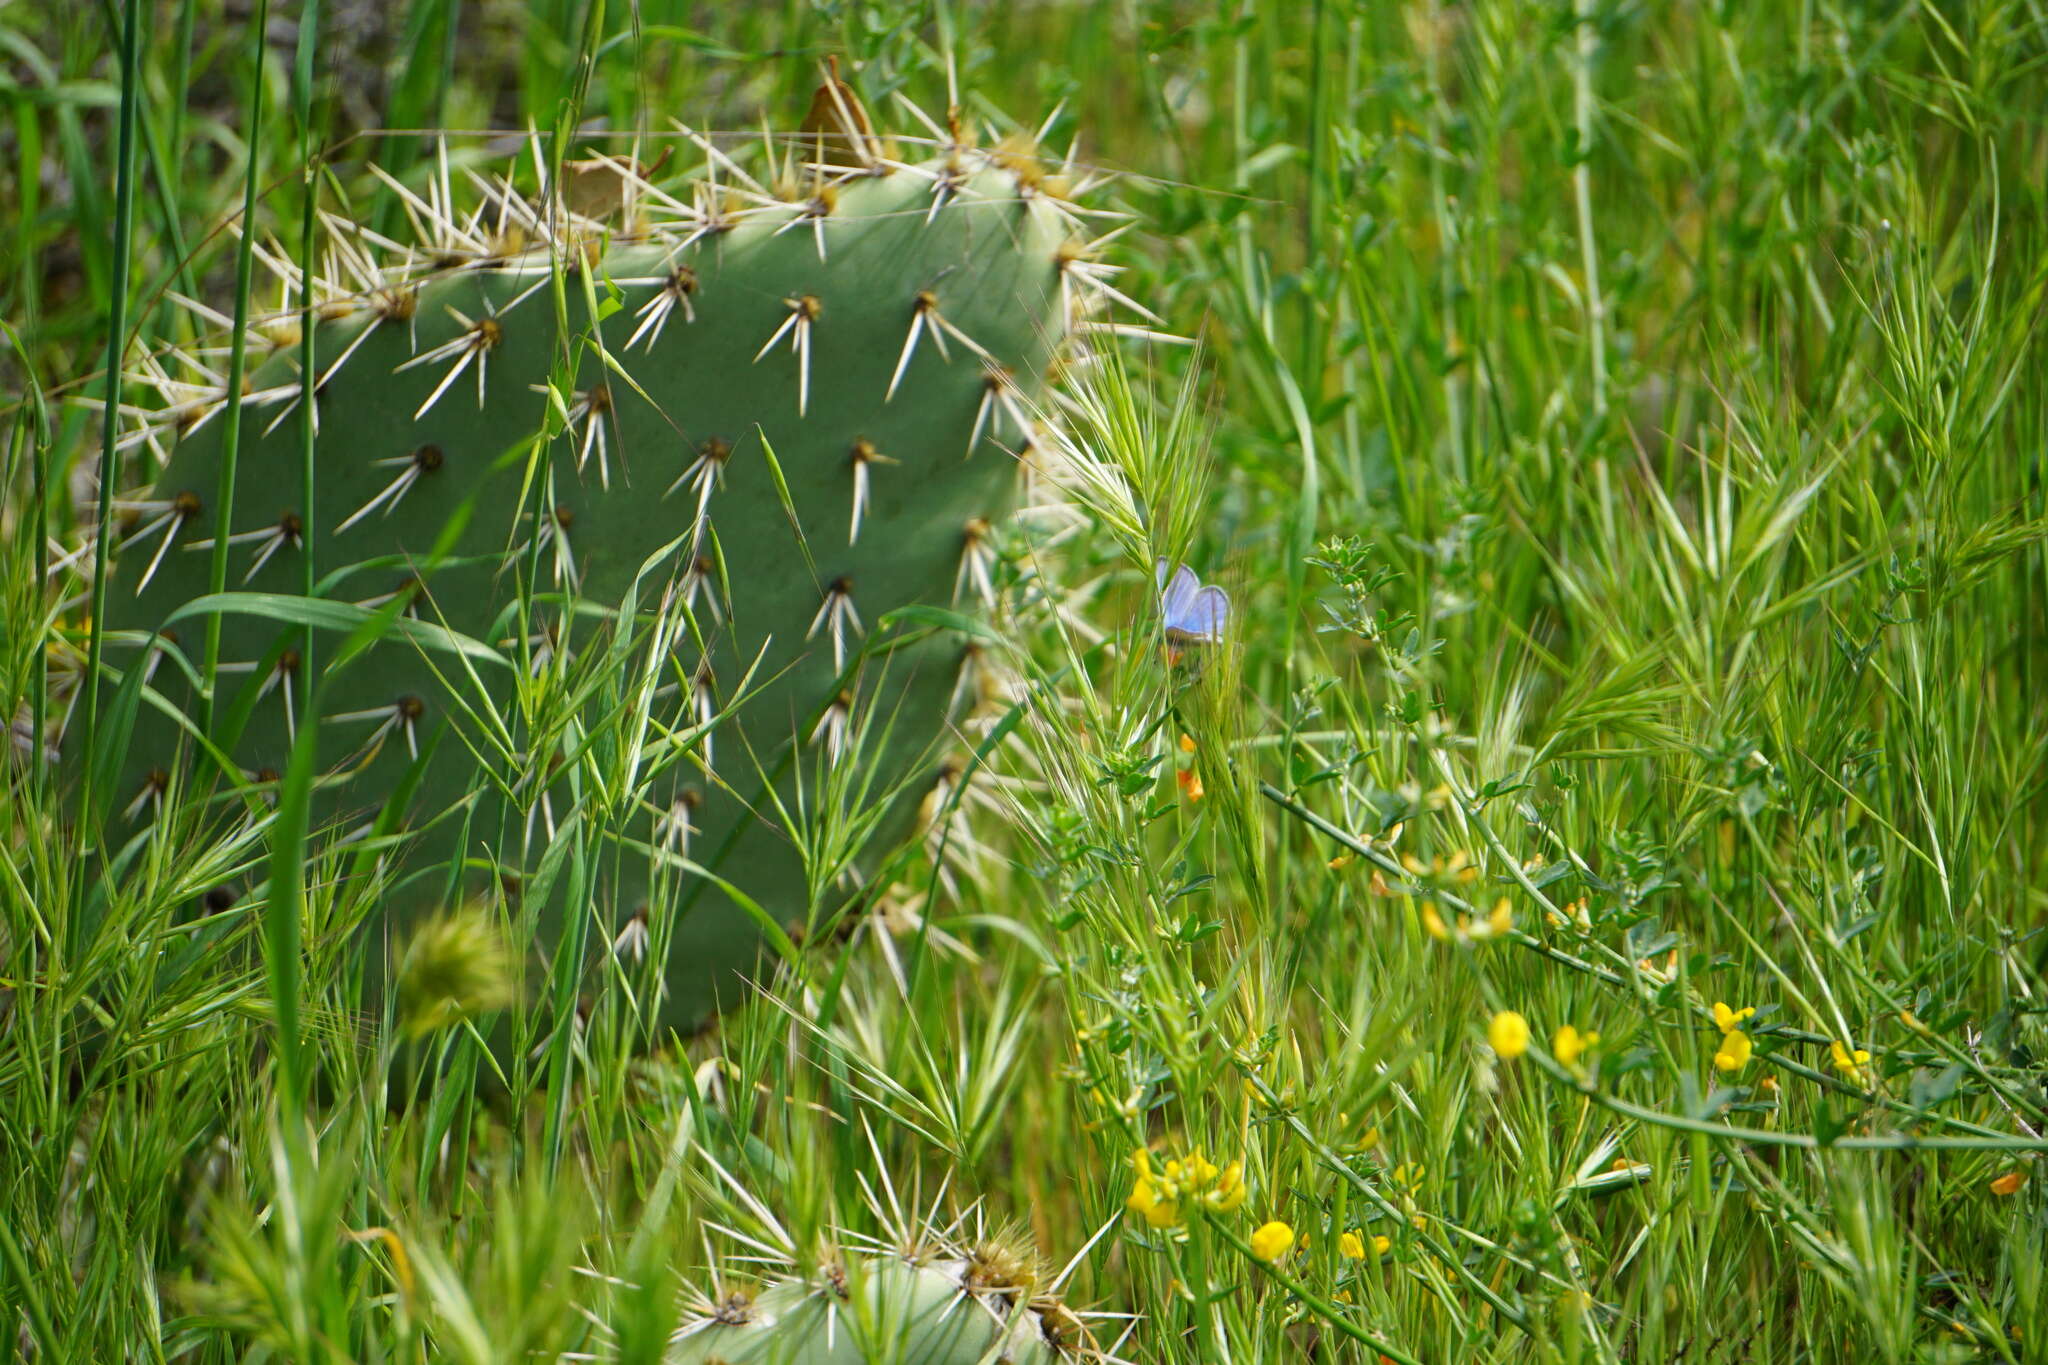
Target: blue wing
(1178, 597)
(1207, 615)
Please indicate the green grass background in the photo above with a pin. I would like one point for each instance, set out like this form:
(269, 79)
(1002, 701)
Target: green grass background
(1620, 428)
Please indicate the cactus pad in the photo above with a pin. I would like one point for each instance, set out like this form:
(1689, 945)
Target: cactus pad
(654, 481)
(929, 1302)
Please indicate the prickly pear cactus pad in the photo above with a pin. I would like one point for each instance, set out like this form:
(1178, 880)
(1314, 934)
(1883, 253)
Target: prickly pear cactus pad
(930, 1303)
(653, 488)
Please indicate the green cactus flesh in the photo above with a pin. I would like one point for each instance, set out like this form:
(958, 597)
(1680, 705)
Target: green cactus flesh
(761, 374)
(886, 1310)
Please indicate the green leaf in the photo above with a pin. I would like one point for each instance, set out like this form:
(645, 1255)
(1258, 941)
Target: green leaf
(337, 616)
(1928, 1088)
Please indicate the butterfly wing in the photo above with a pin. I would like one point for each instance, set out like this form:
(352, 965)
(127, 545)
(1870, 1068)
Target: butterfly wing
(1207, 615)
(1177, 598)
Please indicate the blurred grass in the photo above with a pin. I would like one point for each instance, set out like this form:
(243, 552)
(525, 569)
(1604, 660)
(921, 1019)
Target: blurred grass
(1620, 429)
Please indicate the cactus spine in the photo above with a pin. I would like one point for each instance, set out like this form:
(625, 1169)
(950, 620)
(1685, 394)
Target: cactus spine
(709, 435)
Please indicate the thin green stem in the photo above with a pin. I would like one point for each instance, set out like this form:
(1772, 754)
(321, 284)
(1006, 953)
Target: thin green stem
(1586, 44)
(117, 350)
(238, 354)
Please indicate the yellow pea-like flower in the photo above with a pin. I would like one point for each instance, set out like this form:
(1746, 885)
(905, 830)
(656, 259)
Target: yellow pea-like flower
(1501, 920)
(1165, 1213)
(1728, 1020)
(1851, 1063)
(1272, 1241)
(1734, 1051)
(1230, 1189)
(1568, 1045)
(1509, 1035)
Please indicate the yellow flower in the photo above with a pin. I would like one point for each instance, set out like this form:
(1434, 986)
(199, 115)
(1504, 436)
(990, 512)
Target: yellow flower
(1354, 1246)
(1502, 920)
(1365, 1141)
(1272, 1241)
(1574, 914)
(1190, 784)
(1152, 1198)
(1433, 922)
(1853, 1064)
(2009, 1183)
(1162, 1195)
(1728, 1020)
(1228, 1192)
(1163, 1214)
(1734, 1051)
(1496, 923)
(1459, 867)
(1146, 1203)
(1509, 1034)
(1569, 1044)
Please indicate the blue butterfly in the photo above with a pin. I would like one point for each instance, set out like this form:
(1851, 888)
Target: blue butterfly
(1195, 615)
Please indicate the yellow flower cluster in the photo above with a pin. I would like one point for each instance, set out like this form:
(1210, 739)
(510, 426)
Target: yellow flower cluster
(1568, 1044)
(1162, 1196)
(1733, 1054)
(1854, 1064)
(1458, 869)
(1353, 1246)
(1576, 915)
(1499, 922)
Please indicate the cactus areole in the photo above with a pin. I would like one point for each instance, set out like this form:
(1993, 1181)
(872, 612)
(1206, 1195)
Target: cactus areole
(644, 497)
